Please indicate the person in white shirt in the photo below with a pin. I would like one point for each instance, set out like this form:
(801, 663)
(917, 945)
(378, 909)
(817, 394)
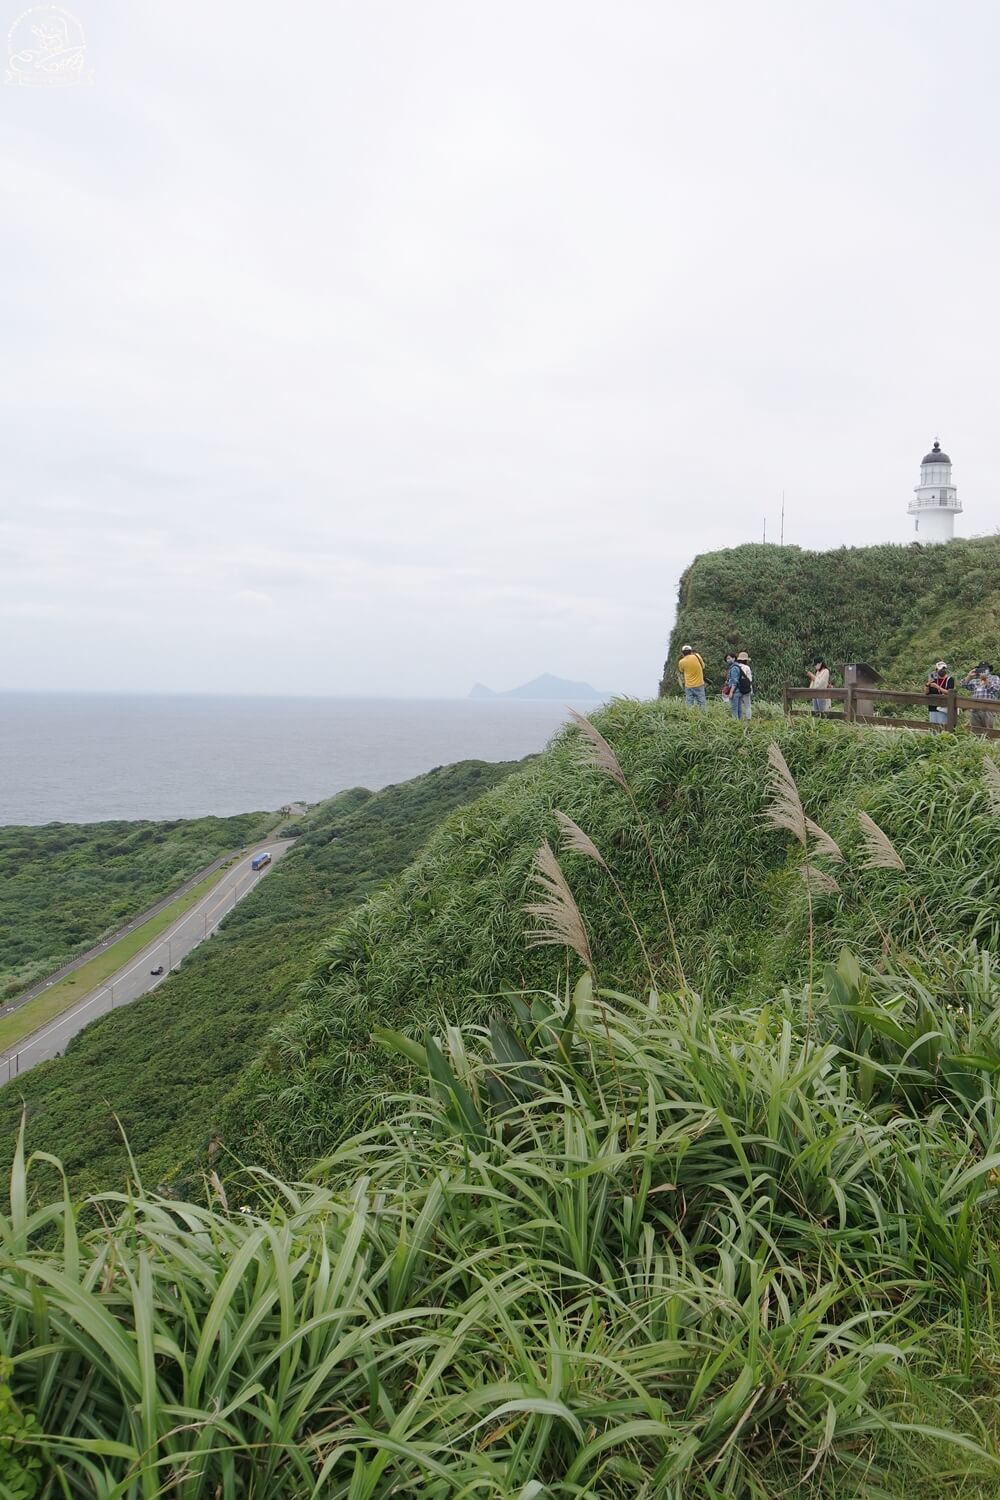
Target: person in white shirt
(819, 678)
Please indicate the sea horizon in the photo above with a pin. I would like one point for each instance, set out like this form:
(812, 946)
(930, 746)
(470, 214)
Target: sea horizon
(83, 756)
(468, 697)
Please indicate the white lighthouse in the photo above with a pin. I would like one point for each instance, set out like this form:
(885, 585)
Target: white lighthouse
(935, 502)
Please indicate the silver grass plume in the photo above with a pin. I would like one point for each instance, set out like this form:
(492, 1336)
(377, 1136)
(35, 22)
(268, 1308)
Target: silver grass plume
(818, 881)
(572, 837)
(785, 808)
(878, 848)
(823, 843)
(595, 750)
(561, 922)
(218, 1189)
(992, 783)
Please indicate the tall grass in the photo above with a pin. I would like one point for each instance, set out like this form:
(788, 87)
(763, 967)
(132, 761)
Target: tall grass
(611, 1247)
(447, 938)
(602, 1245)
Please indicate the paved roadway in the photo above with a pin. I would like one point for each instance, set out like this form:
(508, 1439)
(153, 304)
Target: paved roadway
(136, 979)
(113, 937)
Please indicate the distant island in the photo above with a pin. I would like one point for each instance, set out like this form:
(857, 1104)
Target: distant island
(544, 687)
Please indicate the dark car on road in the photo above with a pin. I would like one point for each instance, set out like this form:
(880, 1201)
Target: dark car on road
(157, 970)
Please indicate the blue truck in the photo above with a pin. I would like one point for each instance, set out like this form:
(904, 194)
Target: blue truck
(260, 860)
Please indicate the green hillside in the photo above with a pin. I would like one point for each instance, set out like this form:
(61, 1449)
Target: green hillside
(899, 608)
(698, 1201)
(447, 939)
(64, 886)
(158, 1069)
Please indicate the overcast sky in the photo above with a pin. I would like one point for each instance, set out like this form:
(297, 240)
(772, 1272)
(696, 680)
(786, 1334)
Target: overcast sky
(380, 347)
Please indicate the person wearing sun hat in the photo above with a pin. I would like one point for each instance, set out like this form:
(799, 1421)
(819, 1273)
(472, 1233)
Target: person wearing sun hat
(939, 681)
(740, 681)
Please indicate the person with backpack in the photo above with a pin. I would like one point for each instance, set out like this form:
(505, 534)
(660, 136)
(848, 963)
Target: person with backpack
(940, 681)
(691, 675)
(740, 683)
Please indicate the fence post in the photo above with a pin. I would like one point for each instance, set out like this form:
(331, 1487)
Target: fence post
(952, 720)
(849, 710)
(786, 701)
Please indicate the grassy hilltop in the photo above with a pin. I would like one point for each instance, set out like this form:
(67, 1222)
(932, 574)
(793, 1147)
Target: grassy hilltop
(698, 1203)
(446, 941)
(899, 608)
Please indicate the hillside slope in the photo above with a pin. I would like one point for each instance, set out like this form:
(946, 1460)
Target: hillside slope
(63, 886)
(716, 1246)
(159, 1069)
(448, 938)
(899, 608)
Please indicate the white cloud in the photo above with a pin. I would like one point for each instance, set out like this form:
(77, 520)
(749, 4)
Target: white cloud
(454, 331)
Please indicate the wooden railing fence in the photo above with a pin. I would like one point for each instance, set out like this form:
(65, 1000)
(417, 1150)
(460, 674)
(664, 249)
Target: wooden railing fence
(859, 705)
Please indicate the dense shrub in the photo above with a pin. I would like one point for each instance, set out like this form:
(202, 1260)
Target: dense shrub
(899, 608)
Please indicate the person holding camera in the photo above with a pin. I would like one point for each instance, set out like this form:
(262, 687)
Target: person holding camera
(691, 676)
(819, 678)
(983, 684)
(940, 681)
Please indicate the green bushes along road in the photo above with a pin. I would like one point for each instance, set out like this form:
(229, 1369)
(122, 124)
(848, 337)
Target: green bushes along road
(63, 886)
(160, 1068)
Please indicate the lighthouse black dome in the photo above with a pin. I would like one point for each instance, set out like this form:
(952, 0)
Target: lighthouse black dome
(935, 456)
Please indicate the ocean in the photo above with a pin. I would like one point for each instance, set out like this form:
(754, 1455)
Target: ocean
(85, 757)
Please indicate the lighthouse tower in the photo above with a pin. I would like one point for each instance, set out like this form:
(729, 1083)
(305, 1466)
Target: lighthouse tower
(935, 502)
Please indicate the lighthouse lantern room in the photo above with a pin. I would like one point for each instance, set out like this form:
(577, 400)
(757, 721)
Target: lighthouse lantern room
(935, 502)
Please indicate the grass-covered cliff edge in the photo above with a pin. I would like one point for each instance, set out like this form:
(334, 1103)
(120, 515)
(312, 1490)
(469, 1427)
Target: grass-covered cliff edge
(700, 1203)
(446, 941)
(898, 607)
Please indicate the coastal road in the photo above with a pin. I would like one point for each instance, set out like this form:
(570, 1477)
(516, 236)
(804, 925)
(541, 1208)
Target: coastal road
(42, 985)
(135, 978)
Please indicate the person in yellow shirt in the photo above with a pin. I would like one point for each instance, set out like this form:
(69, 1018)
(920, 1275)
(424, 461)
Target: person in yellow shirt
(691, 673)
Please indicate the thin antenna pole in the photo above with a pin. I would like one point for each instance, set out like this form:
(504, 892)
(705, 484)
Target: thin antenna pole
(782, 518)
(765, 531)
